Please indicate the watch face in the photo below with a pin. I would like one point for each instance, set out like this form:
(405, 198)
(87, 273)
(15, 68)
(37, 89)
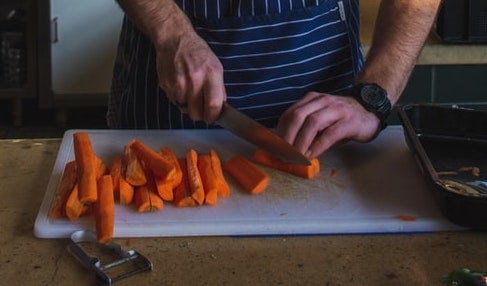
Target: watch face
(373, 95)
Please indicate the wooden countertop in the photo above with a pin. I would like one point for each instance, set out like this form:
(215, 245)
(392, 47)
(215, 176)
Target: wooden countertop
(414, 259)
(434, 52)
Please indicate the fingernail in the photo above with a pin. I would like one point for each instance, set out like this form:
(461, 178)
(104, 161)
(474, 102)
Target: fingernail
(308, 154)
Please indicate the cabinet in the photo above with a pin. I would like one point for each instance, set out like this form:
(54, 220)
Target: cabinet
(84, 36)
(18, 53)
(60, 52)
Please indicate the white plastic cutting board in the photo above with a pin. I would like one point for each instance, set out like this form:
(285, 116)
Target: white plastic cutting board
(375, 184)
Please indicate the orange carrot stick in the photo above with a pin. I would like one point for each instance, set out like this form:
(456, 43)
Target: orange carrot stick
(116, 173)
(182, 194)
(194, 177)
(247, 175)
(146, 200)
(125, 192)
(105, 210)
(134, 172)
(68, 180)
(216, 165)
(153, 160)
(101, 168)
(209, 179)
(168, 154)
(73, 207)
(87, 169)
(165, 186)
(306, 171)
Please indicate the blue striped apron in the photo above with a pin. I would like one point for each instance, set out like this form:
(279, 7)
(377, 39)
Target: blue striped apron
(272, 52)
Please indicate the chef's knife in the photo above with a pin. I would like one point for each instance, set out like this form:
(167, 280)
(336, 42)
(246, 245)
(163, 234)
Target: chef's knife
(252, 131)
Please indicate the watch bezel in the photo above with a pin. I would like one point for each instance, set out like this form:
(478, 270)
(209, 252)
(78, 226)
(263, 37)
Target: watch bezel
(379, 104)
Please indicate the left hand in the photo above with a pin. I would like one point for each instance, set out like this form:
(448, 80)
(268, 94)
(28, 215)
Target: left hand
(319, 120)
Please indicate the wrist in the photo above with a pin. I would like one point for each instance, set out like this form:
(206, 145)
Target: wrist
(374, 99)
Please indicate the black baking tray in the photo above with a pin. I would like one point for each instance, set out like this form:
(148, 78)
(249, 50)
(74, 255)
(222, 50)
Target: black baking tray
(450, 145)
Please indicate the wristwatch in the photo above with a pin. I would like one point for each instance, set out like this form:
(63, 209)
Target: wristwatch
(374, 99)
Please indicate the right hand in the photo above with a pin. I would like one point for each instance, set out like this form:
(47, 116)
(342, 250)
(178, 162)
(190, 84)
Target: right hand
(188, 71)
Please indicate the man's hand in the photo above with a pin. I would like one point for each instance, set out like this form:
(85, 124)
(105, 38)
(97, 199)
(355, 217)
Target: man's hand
(319, 121)
(192, 76)
(188, 70)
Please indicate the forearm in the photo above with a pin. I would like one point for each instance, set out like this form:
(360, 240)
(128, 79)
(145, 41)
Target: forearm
(158, 19)
(401, 29)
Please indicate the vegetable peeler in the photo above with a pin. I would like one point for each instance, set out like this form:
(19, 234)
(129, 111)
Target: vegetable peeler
(124, 263)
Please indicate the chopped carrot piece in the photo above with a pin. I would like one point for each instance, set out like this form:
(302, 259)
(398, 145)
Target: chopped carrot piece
(209, 179)
(194, 177)
(87, 169)
(247, 175)
(116, 173)
(168, 154)
(105, 210)
(134, 172)
(101, 168)
(74, 208)
(164, 188)
(153, 160)
(182, 193)
(125, 192)
(306, 171)
(146, 200)
(66, 185)
(216, 165)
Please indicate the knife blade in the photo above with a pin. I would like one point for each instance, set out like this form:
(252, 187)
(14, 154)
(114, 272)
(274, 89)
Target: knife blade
(259, 135)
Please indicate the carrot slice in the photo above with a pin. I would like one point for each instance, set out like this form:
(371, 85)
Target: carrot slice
(105, 210)
(209, 179)
(247, 175)
(116, 173)
(153, 160)
(68, 180)
(101, 168)
(134, 172)
(73, 207)
(216, 165)
(306, 171)
(182, 193)
(125, 192)
(164, 188)
(87, 169)
(169, 155)
(194, 177)
(146, 200)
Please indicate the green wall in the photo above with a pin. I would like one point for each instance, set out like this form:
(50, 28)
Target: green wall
(463, 85)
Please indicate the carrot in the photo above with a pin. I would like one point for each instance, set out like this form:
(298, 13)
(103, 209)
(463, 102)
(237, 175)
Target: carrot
(182, 194)
(146, 200)
(101, 168)
(73, 207)
(116, 173)
(194, 177)
(134, 172)
(209, 179)
(153, 160)
(105, 209)
(164, 188)
(216, 165)
(68, 180)
(87, 169)
(247, 175)
(168, 154)
(306, 171)
(125, 192)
